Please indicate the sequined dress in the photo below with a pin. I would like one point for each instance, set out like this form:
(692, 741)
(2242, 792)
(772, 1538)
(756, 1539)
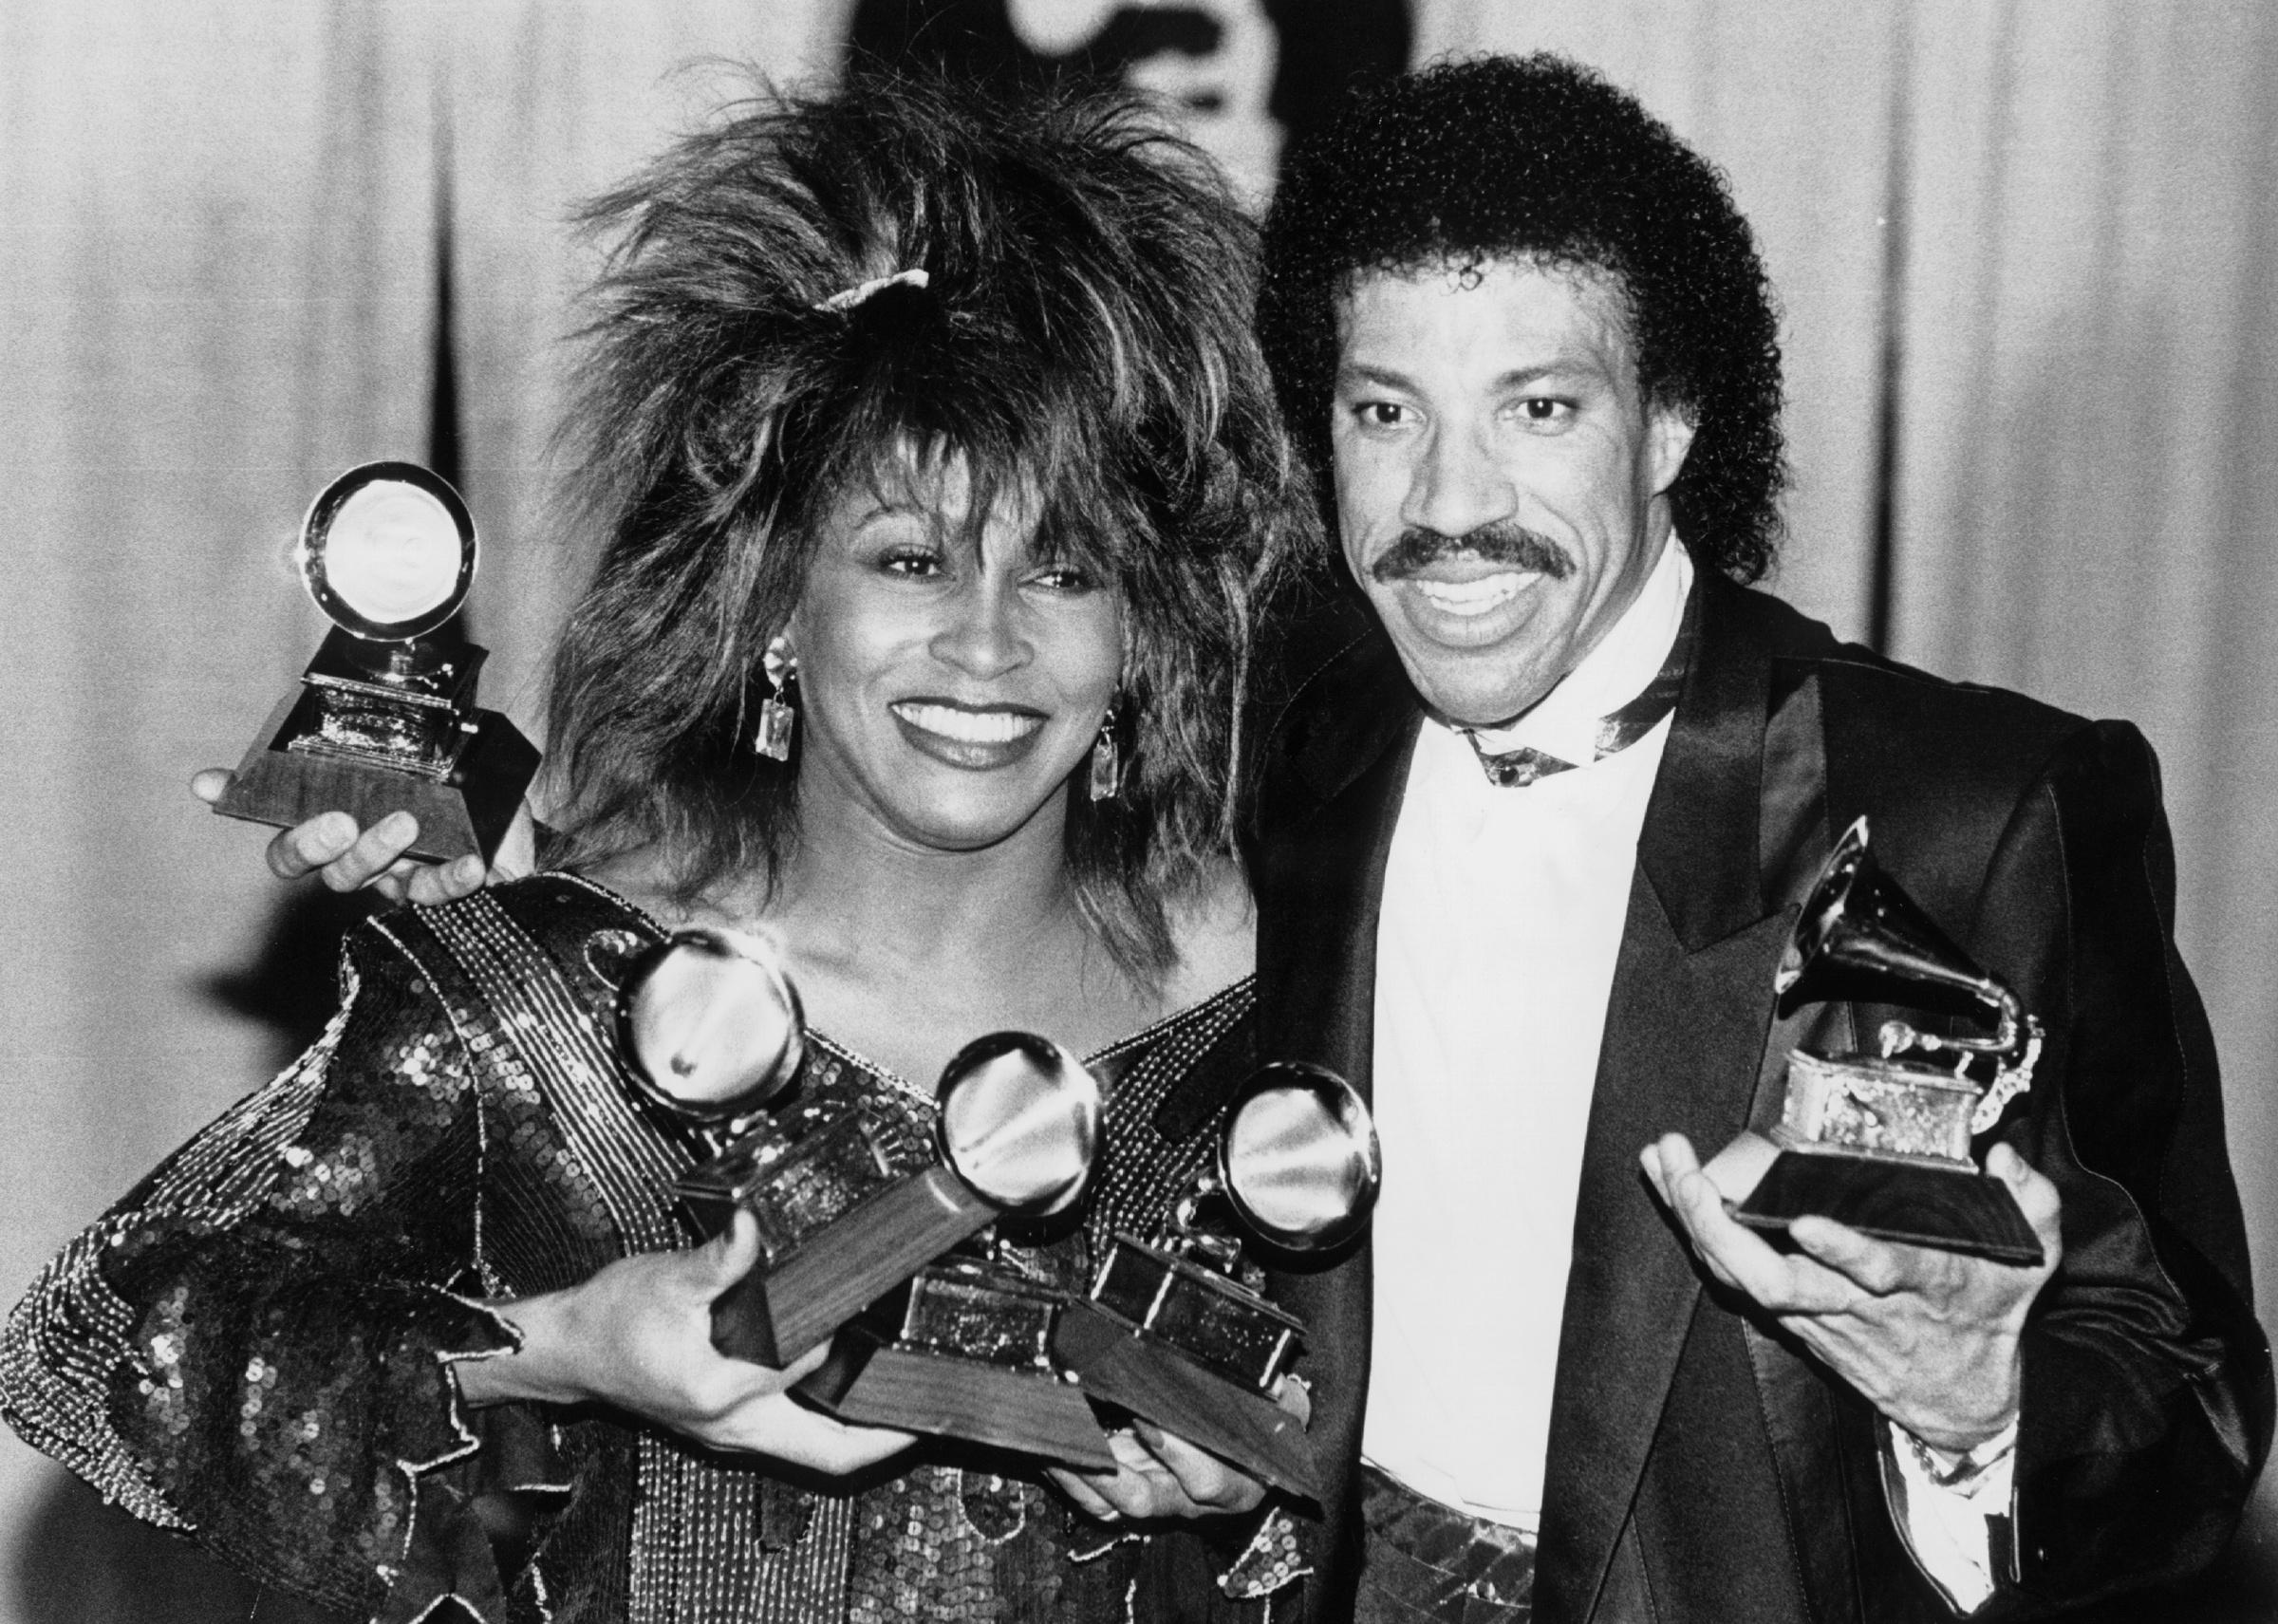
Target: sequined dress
(251, 1348)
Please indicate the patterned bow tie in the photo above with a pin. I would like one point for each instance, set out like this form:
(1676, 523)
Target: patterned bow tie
(1617, 730)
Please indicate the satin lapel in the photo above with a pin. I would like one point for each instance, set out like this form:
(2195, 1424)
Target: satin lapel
(1329, 796)
(1342, 761)
(1685, 1033)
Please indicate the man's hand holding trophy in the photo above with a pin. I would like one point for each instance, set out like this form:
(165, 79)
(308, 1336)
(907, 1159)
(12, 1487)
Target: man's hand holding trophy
(1899, 1260)
(1880, 1142)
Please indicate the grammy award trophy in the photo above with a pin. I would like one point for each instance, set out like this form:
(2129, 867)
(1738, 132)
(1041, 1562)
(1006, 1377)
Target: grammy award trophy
(1179, 1332)
(1881, 1142)
(712, 1026)
(385, 718)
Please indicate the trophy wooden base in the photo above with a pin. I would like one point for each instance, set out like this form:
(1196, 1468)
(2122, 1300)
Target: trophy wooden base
(871, 1383)
(468, 812)
(777, 1313)
(1916, 1204)
(1157, 1383)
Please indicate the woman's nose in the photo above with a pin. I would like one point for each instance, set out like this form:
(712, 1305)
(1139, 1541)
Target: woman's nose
(982, 634)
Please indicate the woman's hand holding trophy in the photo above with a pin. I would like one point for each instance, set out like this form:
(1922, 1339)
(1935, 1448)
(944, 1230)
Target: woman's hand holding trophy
(711, 1026)
(1176, 1338)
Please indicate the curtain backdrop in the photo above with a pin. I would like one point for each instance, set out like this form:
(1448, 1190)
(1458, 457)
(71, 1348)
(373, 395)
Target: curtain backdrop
(2026, 251)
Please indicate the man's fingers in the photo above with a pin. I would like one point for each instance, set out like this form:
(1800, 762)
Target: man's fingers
(1649, 1160)
(211, 784)
(1667, 1160)
(1737, 1255)
(2036, 1196)
(1874, 1265)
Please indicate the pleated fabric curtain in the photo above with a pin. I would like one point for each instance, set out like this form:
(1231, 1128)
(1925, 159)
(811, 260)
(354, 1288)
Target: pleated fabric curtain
(2087, 492)
(2085, 501)
(553, 100)
(217, 259)
(231, 234)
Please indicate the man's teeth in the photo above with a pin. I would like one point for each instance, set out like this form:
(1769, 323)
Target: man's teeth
(970, 727)
(1472, 597)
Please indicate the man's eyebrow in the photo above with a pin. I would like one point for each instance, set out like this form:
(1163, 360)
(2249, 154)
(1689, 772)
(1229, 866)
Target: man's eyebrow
(1520, 377)
(1356, 372)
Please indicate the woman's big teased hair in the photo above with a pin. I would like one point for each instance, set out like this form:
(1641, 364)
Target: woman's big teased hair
(1083, 348)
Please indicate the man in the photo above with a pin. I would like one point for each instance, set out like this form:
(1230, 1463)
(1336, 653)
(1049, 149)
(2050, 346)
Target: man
(1534, 911)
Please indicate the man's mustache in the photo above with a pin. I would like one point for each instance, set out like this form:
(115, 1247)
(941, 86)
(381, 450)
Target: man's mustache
(1502, 542)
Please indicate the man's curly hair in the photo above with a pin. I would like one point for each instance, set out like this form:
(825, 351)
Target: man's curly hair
(1083, 350)
(1537, 158)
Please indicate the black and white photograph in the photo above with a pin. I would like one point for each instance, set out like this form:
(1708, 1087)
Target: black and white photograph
(1233, 812)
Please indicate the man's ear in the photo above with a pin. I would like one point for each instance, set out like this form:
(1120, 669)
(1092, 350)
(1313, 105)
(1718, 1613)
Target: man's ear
(1669, 436)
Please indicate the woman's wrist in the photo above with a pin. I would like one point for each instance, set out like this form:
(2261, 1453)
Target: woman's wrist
(540, 1371)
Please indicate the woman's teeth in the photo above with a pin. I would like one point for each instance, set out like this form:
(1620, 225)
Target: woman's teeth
(969, 727)
(1472, 597)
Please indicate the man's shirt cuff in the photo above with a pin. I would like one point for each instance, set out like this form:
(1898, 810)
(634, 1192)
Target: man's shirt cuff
(1954, 1510)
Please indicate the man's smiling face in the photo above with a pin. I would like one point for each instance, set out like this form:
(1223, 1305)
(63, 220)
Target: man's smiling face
(1502, 481)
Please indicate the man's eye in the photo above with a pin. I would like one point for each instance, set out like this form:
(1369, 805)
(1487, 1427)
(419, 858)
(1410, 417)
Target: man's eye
(1380, 414)
(1546, 409)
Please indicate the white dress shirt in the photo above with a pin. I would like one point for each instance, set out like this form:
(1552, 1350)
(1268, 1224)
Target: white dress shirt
(1502, 920)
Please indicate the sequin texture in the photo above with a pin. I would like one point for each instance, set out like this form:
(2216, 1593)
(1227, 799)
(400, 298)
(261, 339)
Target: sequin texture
(252, 1347)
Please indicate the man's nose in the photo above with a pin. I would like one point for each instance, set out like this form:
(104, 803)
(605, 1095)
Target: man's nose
(1458, 483)
(982, 634)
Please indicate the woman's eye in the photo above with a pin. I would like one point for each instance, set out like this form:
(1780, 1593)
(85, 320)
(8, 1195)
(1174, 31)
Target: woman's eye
(1063, 578)
(911, 563)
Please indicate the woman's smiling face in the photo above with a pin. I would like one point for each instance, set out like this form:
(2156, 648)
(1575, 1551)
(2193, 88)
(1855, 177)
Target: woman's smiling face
(951, 676)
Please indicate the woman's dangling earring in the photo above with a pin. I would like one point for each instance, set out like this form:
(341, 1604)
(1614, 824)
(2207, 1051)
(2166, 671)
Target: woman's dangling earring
(776, 713)
(1107, 759)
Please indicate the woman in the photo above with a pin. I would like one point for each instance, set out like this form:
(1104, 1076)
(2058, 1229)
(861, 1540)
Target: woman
(930, 454)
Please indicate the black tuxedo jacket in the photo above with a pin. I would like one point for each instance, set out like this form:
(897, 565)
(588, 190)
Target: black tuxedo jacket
(1701, 1467)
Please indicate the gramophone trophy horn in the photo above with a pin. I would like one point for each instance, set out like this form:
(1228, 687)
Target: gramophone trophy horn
(1881, 1141)
(1179, 1332)
(385, 720)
